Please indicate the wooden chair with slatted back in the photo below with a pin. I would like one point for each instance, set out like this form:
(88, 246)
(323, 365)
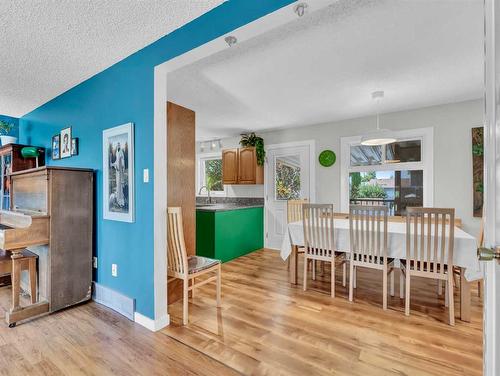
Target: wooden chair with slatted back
(294, 214)
(429, 250)
(188, 268)
(319, 236)
(368, 243)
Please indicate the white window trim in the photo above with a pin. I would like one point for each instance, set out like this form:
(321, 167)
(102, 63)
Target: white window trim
(201, 158)
(426, 135)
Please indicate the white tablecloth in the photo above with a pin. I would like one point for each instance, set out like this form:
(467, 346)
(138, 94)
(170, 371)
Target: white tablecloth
(464, 251)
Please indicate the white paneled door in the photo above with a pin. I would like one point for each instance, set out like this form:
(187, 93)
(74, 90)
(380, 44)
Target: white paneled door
(289, 175)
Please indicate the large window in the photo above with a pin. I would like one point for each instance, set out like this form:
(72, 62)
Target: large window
(395, 189)
(398, 175)
(210, 175)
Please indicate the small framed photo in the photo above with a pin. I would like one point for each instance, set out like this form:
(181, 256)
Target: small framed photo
(74, 146)
(56, 146)
(66, 143)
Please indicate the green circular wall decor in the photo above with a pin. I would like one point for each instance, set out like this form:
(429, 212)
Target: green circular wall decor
(327, 158)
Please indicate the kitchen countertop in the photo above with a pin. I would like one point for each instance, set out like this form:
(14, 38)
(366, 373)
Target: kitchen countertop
(225, 207)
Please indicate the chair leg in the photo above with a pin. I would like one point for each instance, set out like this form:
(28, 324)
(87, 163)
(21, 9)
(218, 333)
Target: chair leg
(401, 284)
(185, 297)
(407, 297)
(32, 275)
(333, 277)
(445, 293)
(355, 274)
(439, 287)
(314, 269)
(304, 285)
(16, 282)
(351, 280)
(451, 300)
(219, 286)
(193, 281)
(384, 289)
(479, 286)
(456, 278)
(344, 270)
(392, 282)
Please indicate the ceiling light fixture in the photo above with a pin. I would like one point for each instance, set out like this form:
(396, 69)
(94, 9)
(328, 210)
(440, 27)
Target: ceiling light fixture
(380, 136)
(300, 9)
(231, 40)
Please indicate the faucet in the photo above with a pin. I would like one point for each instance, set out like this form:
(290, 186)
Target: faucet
(209, 199)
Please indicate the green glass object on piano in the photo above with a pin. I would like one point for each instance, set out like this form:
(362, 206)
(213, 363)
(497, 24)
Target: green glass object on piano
(31, 152)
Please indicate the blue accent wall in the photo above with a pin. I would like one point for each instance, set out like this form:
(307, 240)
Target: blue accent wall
(15, 131)
(124, 93)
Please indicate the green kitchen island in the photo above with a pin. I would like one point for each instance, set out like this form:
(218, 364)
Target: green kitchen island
(225, 232)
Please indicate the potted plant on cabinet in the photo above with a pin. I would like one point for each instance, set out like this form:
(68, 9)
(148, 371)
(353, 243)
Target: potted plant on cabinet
(251, 139)
(5, 128)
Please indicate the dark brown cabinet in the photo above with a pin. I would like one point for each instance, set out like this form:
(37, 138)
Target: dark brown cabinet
(239, 166)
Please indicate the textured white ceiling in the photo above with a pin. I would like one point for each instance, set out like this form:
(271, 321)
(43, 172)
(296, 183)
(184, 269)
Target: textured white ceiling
(47, 47)
(324, 66)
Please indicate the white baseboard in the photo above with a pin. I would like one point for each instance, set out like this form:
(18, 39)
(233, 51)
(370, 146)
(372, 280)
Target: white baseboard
(126, 306)
(114, 300)
(153, 325)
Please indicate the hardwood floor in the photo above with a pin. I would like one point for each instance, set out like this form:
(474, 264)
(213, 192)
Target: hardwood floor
(92, 340)
(267, 327)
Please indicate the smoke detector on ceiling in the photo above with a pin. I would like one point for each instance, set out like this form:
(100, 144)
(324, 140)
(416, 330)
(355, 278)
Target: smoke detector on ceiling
(231, 40)
(300, 9)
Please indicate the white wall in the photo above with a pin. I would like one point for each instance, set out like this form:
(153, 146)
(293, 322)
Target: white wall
(452, 125)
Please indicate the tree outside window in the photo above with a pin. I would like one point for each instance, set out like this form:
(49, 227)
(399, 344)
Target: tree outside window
(213, 174)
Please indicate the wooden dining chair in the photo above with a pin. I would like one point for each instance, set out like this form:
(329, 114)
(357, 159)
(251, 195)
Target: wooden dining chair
(429, 250)
(188, 268)
(319, 244)
(294, 214)
(368, 236)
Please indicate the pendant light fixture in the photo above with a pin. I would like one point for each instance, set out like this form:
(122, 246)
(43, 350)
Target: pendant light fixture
(380, 136)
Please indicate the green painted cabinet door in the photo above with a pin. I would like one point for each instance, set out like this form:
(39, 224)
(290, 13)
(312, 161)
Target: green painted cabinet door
(226, 235)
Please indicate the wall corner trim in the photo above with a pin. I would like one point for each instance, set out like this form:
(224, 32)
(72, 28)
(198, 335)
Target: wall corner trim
(153, 325)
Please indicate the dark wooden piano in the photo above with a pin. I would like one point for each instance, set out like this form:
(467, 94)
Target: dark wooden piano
(51, 217)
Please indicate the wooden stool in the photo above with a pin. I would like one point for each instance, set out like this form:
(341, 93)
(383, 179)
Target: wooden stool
(14, 262)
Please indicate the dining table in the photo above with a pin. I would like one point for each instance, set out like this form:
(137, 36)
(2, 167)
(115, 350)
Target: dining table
(464, 252)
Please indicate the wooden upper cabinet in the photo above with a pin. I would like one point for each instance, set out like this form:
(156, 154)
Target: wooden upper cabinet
(239, 166)
(230, 166)
(247, 166)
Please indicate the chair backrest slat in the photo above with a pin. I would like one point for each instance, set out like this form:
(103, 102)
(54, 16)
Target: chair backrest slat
(294, 210)
(368, 233)
(177, 253)
(318, 230)
(429, 238)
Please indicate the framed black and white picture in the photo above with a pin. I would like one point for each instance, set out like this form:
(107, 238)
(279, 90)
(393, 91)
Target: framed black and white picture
(74, 146)
(66, 143)
(56, 147)
(118, 173)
